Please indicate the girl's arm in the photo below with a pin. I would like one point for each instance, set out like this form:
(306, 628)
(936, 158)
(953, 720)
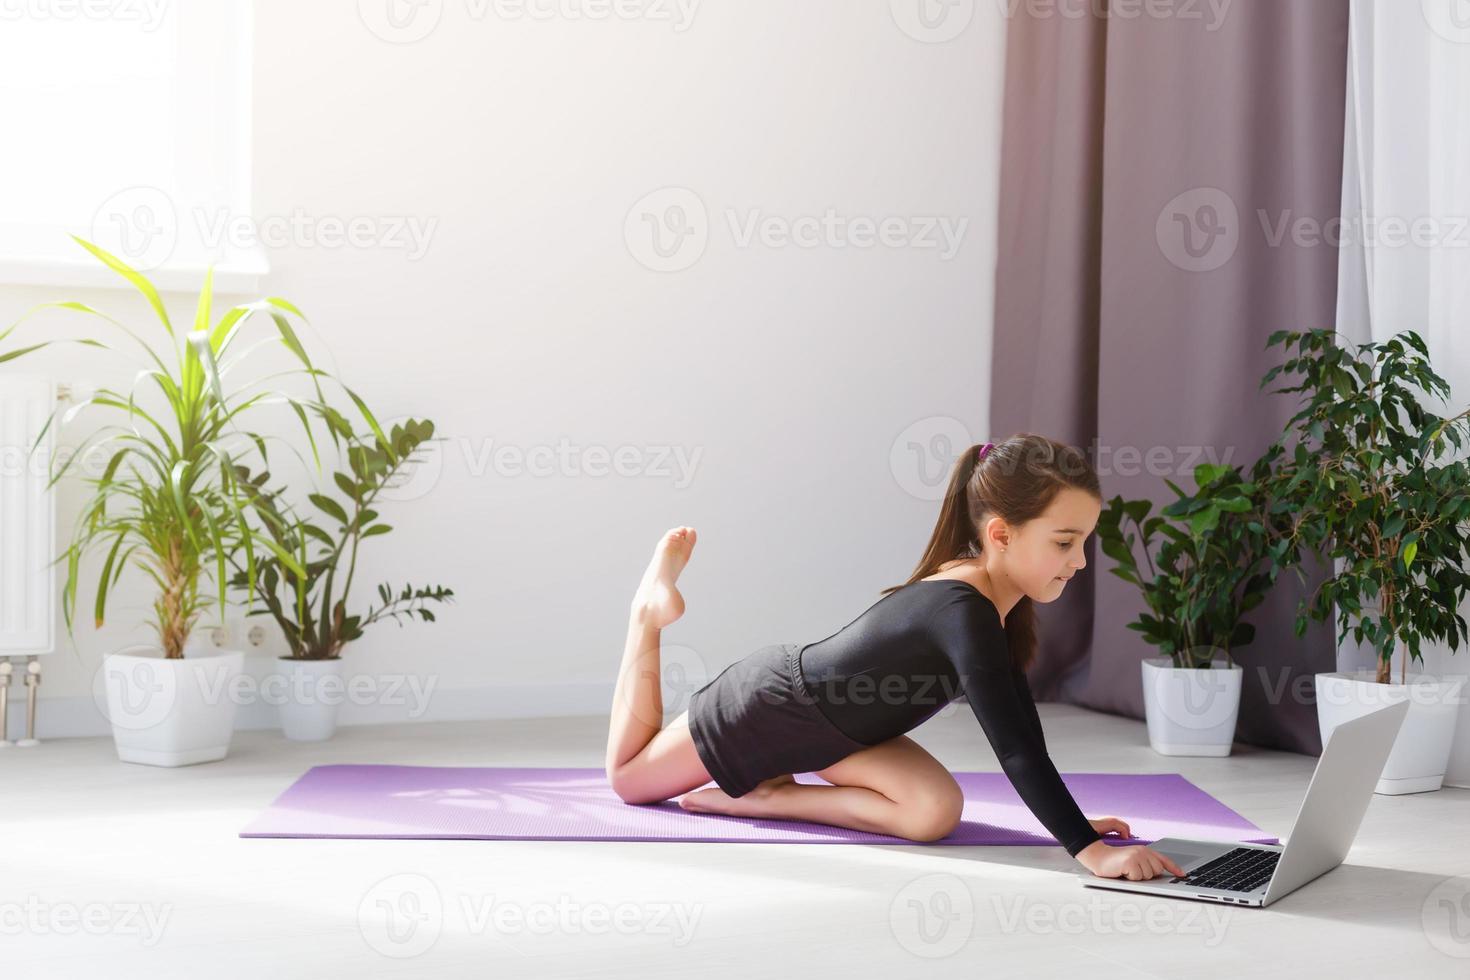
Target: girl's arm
(1023, 691)
(971, 635)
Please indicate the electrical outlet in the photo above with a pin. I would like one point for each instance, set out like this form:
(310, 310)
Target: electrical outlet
(252, 634)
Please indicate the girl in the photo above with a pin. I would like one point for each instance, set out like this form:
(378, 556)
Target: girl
(1010, 533)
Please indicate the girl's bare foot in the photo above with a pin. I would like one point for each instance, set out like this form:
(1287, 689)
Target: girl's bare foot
(657, 602)
(716, 800)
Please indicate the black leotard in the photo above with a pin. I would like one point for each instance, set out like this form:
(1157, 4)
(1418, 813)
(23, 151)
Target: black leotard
(916, 650)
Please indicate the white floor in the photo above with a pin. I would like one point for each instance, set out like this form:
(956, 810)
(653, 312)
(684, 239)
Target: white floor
(116, 870)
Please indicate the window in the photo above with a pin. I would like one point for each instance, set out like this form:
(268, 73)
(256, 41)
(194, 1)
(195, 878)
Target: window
(125, 122)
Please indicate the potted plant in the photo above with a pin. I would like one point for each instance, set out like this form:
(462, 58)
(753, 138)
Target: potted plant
(1363, 467)
(1209, 568)
(308, 596)
(168, 504)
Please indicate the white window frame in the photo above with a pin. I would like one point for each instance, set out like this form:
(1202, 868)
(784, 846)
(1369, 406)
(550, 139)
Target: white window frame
(172, 225)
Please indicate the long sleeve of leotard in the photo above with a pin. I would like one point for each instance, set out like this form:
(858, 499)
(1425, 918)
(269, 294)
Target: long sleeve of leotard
(973, 639)
(1023, 691)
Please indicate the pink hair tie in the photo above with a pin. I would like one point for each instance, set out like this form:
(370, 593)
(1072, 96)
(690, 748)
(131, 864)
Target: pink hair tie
(984, 451)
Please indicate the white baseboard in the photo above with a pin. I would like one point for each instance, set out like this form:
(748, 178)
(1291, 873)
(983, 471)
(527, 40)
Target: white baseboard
(79, 717)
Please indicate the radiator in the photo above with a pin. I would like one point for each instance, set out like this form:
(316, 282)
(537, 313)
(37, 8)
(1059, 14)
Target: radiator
(27, 519)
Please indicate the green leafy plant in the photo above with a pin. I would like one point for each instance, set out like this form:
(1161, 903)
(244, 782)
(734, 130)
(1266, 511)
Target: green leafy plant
(167, 501)
(307, 598)
(1207, 561)
(1363, 467)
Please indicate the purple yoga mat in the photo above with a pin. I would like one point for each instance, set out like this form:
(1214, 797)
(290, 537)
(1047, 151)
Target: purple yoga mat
(495, 803)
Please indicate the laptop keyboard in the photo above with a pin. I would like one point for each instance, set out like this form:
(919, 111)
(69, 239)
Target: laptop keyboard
(1243, 869)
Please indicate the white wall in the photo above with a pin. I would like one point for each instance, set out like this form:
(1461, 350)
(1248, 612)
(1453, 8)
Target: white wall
(818, 392)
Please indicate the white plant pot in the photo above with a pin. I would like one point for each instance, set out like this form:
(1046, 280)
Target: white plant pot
(1191, 710)
(171, 712)
(314, 690)
(1421, 752)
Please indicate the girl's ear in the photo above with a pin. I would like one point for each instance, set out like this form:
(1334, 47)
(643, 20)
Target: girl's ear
(997, 534)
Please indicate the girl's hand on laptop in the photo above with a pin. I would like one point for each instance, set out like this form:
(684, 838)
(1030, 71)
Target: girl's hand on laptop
(1136, 863)
(1105, 824)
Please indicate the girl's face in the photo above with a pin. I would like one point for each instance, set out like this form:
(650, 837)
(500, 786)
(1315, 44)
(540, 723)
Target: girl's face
(1042, 554)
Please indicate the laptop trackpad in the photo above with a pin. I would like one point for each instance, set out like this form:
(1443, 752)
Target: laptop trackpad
(1183, 856)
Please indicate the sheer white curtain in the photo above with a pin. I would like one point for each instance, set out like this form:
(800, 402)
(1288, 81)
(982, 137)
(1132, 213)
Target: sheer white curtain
(1405, 258)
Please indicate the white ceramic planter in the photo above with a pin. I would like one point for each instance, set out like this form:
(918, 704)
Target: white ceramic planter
(1421, 753)
(1191, 710)
(171, 712)
(314, 690)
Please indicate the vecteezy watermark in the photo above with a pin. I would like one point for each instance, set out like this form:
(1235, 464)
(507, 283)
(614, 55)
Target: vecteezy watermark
(1112, 915)
(1282, 684)
(567, 459)
(682, 671)
(833, 230)
(403, 915)
(140, 690)
(1161, 461)
(407, 21)
(668, 229)
(937, 21)
(922, 456)
(35, 917)
(932, 21)
(1199, 700)
(1199, 230)
(933, 916)
(1211, 13)
(143, 226)
(1450, 19)
(147, 14)
(1368, 230)
(1445, 916)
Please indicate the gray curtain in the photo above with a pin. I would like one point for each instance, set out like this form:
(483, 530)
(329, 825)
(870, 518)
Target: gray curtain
(1160, 180)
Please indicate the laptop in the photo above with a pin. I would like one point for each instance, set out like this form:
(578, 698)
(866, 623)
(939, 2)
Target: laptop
(1330, 814)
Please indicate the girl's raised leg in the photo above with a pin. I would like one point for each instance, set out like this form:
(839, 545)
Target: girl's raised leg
(637, 710)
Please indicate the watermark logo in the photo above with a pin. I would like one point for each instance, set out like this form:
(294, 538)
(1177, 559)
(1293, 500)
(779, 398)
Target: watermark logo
(1199, 699)
(38, 918)
(942, 233)
(400, 21)
(139, 224)
(922, 455)
(1097, 916)
(1367, 230)
(667, 230)
(147, 14)
(142, 690)
(404, 915)
(1199, 230)
(419, 473)
(1450, 19)
(143, 226)
(932, 916)
(677, 13)
(407, 21)
(401, 916)
(921, 458)
(132, 692)
(1211, 13)
(932, 21)
(683, 671)
(1445, 916)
